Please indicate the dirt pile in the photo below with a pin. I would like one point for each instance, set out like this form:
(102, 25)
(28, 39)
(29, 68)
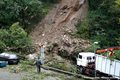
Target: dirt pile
(60, 21)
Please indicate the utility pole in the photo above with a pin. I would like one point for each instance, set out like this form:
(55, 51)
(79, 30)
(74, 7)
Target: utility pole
(95, 43)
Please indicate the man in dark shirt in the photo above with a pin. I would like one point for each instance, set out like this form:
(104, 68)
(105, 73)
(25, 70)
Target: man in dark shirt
(38, 65)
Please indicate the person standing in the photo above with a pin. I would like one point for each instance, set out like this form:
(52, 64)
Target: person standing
(38, 64)
(42, 53)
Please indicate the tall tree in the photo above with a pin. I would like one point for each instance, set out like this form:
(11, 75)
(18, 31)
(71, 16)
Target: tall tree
(104, 22)
(19, 11)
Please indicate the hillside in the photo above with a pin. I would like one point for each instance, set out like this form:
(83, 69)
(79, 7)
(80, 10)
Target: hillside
(59, 23)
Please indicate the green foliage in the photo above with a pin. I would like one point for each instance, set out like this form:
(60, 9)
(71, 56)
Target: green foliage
(50, 1)
(35, 76)
(103, 22)
(23, 66)
(118, 40)
(92, 48)
(2, 46)
(96, 4)
(62, 66)
(26, 65)
(19, 36)
(63, 53)
(117, 54)
(83, 29)
(58, 65)
(14, 37)
(22, 11)
(27, 13)
(4, 38)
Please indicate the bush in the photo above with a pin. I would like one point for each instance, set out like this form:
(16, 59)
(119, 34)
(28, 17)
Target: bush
(26, 65)
(102, 23)
(14, 38)
(2, 46)
(63, 53)
(50, 1)
(62, 65)
(83, 29)
(19, 10)
(92, 48)
(19, 36)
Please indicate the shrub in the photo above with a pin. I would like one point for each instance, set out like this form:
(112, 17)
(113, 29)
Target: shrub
(83, 29)
(50, 1)
(14, 38)
(92, 48)
(19, 36)
(63, 53)
(102, 23)
(19, 10)
(62, 66)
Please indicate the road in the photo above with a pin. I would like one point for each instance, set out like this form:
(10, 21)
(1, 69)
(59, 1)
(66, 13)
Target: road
(5, 74)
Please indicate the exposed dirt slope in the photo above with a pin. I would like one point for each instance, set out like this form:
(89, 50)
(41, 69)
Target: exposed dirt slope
(60, 21)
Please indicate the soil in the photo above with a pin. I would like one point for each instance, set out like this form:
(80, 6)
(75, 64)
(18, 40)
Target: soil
(56, 27)
(60, 22)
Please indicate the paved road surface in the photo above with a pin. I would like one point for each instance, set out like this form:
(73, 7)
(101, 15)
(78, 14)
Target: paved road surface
(6, 75)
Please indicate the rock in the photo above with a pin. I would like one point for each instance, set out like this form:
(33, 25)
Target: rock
(64, 7)
(43, 34)
(32, 56)
(59, 27)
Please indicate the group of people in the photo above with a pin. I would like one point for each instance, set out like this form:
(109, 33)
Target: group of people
(40, 59)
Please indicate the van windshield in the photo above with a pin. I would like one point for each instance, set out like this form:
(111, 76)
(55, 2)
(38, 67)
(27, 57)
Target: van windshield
(88, 58)
(80, 56)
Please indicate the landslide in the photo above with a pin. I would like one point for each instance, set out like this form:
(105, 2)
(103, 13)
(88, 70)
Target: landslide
(59, 24)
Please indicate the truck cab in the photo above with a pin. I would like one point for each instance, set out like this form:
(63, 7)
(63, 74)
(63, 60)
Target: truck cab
(85, 58)
(85, 63)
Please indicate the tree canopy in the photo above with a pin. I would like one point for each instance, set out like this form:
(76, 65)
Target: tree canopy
(14, 37)
(103, 22)
(26, 13)
(22, 11)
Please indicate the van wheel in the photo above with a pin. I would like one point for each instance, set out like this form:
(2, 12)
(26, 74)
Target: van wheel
(80, 70)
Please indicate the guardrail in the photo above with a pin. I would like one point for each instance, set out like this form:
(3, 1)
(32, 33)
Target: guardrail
(77, 75)
(67, 72)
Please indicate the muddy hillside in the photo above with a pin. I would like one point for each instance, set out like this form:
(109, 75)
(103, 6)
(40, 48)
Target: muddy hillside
(59, 24)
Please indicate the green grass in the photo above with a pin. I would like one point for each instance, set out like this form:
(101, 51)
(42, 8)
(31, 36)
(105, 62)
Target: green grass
(62, 66)
(35, 76)
(29, 69)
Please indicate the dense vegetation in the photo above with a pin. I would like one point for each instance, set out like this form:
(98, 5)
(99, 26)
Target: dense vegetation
(102, 23)
(26, 13)
(23, 11)
(14, 37)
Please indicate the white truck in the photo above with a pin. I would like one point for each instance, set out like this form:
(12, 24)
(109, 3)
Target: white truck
(97, 65)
